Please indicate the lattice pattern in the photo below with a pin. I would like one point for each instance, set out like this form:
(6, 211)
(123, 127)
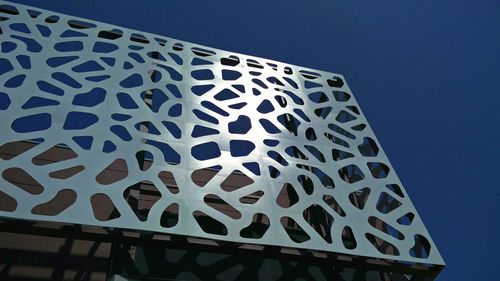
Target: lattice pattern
(119, 128)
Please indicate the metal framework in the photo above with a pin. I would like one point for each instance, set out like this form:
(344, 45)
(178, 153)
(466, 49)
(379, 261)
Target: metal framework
(111, 127)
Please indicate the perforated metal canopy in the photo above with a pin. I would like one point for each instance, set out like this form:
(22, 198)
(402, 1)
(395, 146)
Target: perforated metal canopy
(231, 147)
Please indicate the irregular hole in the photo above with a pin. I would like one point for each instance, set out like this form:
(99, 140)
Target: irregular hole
(336, 82)
(141, 197)
(386, 203)
(206, 151)
(406, 219)
(257, 228)
(289, 122)
(222, 206)
(351, 173)
(330, 200)
(277, 157)
(306, 183)
(320, 220)
(67, 173)
(144, 159)
(170, 216)
(421, 248)
(341, 131)
(378, 170)
(338, 155)
(169, 181)
(209, 224)
(240, 126)
(23, 180)
(325, 180)
(381, 245)
(294, 231)
(32, 123)
(12, 149)
(7, 203)
(235, 181)
(396, 189)
(359, 197)
(348, 238)
(202, 176)
(385, 227)
(57, 153)
(170, 156)
(368, 148)
(252, 198)
(287, 197)
(240, 148)
(315, 152)
(103, 207)
(114, 172)
(61, 201)
(311, 134)
(341, 96)
(336, 140)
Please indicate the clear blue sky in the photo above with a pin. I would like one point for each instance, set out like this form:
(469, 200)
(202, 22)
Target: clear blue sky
(426, 74)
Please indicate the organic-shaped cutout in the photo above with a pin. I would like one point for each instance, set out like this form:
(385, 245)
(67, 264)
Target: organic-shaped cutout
(23, 180)
(338, 154)
(252, 198)
(325, 179)
(396, 189)
(406, 219)
(170, 156)
(341, 131)
(144, 159)
(385, 227)
(12, 149)
(348, 238)
(336, 140)
(202, 176)
(381, 245)
(358, 198)
(169, 181)
(294, 231)
(386, 203)
(295, 152)
(209, 224)
(61, 201)
(7, 203)
(170, 216)
(32, 123)
(114, 172)
(287, 197)
(206, 151)
(240, 148)
(257, 228)
(368, 147)
(67, 173)
(330, 200)
(344, 117)
(222, 206)
(378, 170)
(141, 197)
(103, 207)
(310, 134)
(421, 248)
(235, 181)
(306, 183)
(240, 126)
(315, 152)
(351, 173)
(320, 220)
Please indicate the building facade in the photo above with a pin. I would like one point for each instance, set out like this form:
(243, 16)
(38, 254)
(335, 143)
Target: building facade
(132, 156)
